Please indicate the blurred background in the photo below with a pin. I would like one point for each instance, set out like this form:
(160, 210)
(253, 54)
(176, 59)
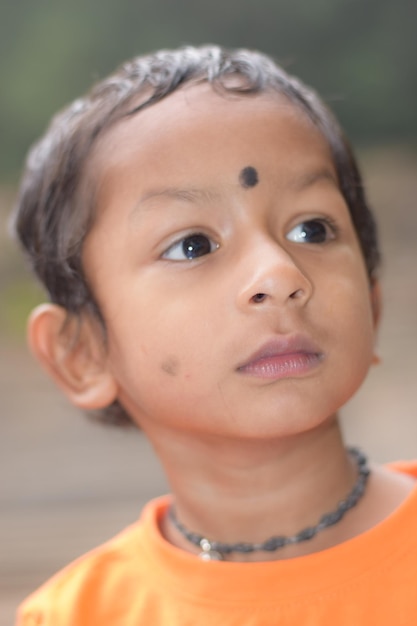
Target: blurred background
(67, 484)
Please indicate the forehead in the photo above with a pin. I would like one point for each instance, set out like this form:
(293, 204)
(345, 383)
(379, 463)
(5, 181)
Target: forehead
(197, 133)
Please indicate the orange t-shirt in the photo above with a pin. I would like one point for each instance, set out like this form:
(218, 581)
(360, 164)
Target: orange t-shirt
(139, 579)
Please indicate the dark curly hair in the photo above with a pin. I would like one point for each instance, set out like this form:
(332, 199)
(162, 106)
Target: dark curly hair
(55, 210)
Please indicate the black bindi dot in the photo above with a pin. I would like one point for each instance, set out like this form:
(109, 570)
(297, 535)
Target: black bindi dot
(248, 177)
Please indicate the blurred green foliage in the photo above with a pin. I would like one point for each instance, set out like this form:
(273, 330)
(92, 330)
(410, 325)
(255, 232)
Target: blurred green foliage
(359, 54)
(18, 299)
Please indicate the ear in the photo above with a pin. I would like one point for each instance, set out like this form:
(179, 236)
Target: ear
(376, 303)
(72, 351)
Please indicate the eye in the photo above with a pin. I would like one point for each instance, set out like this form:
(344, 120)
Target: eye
(191, 247)
(312, 231)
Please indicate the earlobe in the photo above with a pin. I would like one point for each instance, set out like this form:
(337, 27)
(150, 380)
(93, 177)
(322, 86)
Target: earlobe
(72, 353)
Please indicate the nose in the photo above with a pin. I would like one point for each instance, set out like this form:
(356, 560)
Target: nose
(272, 276)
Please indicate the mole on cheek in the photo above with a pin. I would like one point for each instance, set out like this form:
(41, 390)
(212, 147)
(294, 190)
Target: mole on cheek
(248, 177)
(170, 366)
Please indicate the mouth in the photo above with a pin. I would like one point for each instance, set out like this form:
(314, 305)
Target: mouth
(284, 357)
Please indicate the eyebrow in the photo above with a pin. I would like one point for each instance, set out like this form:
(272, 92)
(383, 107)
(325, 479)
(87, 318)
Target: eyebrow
(192, 195)
(311, 178)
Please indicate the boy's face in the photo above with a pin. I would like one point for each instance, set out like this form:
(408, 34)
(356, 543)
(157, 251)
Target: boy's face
(227, 269)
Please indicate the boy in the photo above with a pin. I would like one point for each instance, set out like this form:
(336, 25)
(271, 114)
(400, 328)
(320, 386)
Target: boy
(200, 225)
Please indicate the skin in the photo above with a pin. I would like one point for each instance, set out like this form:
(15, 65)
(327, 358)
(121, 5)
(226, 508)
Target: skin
(247, 456)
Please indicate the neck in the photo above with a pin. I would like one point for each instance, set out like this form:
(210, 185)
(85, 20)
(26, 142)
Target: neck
(246, 491)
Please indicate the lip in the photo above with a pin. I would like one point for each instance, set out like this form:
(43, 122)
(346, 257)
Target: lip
(287, 356)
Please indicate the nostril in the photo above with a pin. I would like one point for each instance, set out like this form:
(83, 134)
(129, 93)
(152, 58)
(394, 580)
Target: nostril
(258, 298)
(296, 294)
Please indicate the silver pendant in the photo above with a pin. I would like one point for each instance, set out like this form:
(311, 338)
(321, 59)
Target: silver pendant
(207, 553)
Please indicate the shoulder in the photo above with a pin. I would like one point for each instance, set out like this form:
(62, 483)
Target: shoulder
(83, 582)
(80, 592)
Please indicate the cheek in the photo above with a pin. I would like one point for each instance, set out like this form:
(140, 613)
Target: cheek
(355, 328)
(159, 341)
(348, 307)
(165, 371)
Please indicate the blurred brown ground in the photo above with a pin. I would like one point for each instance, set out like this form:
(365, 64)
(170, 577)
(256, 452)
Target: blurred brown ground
(67, 484)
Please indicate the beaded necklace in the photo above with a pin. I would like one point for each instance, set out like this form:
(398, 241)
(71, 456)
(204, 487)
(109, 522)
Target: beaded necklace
(216, 550)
